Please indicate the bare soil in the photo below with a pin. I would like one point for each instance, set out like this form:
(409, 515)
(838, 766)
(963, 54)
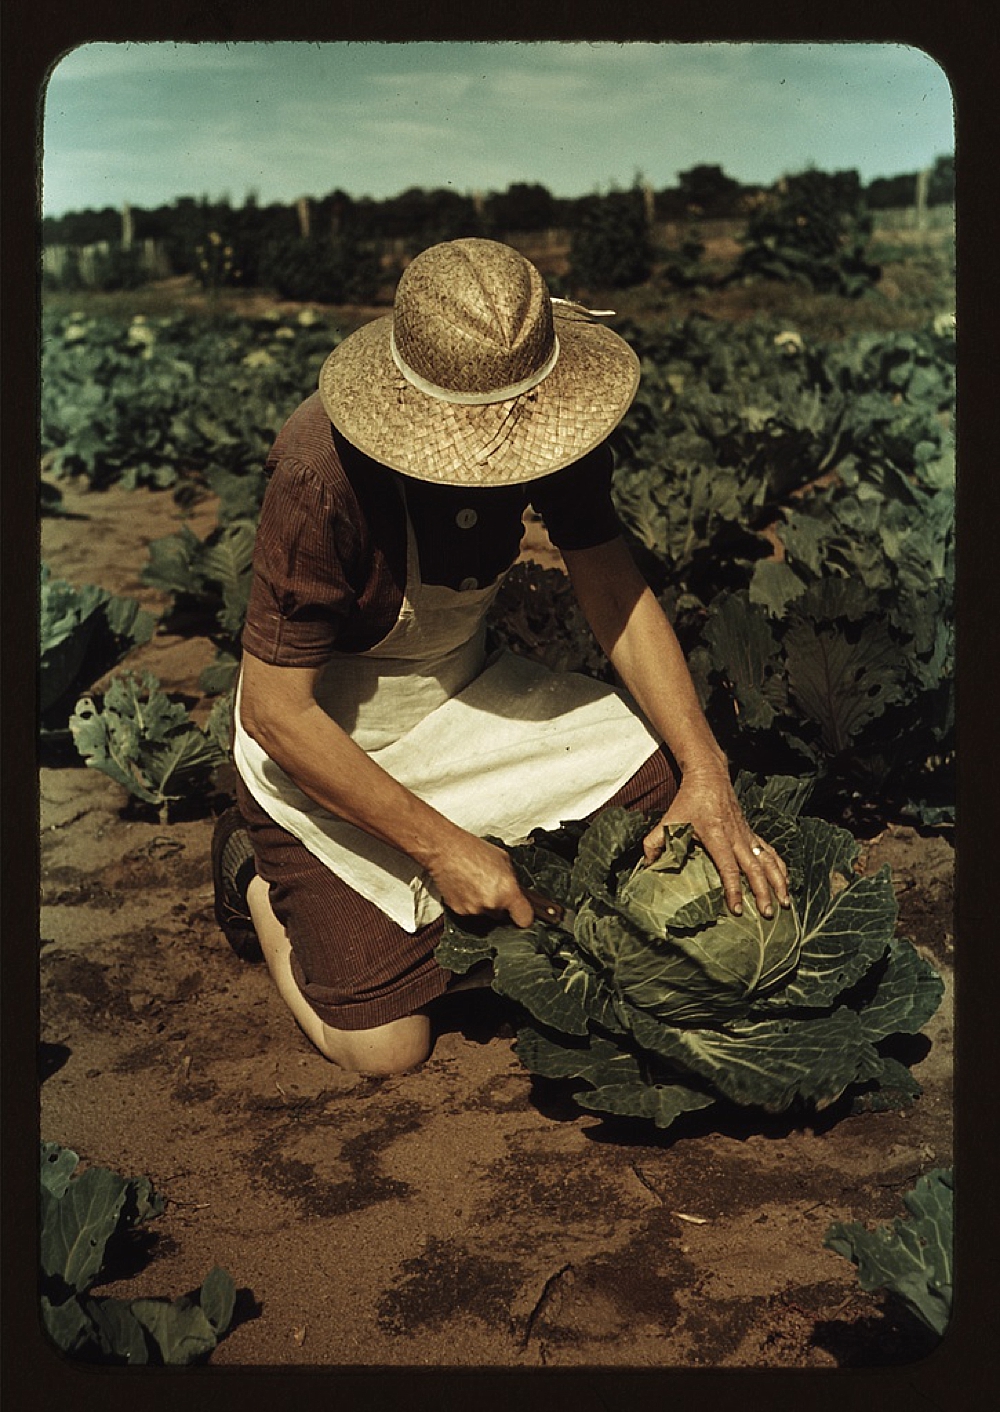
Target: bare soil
(459, 1215)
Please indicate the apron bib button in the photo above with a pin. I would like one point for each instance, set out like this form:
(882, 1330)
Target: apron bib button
(465, 519)
(466, 584)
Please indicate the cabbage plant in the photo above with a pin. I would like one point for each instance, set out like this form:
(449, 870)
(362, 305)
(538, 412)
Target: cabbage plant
(657, 1000)
(913, 1257)
(83, 1215)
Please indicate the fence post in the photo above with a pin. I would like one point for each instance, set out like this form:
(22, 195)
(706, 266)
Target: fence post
(302, 206)
(128, 227)
(923, 182)
(649, 200)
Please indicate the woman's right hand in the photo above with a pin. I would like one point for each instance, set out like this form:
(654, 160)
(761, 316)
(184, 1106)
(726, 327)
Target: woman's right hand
(476, 878)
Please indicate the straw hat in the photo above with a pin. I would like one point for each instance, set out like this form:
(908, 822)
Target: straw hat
(478, 377)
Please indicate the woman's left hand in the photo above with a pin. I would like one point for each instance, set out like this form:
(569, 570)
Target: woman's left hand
(706, 801)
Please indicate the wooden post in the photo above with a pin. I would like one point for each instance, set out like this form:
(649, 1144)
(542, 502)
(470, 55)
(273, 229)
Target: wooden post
(923, 182)
(128, 227)
(302, 206)
(649, 198)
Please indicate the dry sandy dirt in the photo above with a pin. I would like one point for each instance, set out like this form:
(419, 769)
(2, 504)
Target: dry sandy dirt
(459, 1216)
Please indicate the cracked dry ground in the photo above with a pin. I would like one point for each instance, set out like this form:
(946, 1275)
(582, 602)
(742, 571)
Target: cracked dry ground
(461, 1215)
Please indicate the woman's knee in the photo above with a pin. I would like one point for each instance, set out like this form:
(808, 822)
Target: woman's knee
(392, 1048)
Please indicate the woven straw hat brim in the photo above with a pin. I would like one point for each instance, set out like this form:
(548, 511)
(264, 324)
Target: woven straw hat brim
(570, 412)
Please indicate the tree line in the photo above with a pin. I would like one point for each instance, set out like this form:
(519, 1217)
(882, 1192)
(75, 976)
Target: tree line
(333, 248)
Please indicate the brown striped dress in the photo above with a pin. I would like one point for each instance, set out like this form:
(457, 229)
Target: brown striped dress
(328, 574)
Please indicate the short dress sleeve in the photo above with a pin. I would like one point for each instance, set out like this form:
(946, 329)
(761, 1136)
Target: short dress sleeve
(304, 583)
(575, 503)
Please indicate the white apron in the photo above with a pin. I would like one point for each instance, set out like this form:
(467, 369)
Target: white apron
(499, 747)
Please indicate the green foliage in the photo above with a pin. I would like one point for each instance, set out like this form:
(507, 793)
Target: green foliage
(912, 1257)
(941, 185)
(536, 615)
(812, 227)
(524, 206)
(158, 401)
(705, 190)
(334, 271)
(684, 266)
(115, 268)
(83, 633)
(214, 572)
(726, 419)
(834, 658)
(50, 500)
(842, 653)
(610, 245)
(208, 578)
(419, 217)
(216, 262)
(662, 1001)
(791, 503)
(82, 1217)
(146, 742)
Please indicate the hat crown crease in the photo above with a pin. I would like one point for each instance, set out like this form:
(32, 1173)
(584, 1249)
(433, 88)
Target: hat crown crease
(467, 321)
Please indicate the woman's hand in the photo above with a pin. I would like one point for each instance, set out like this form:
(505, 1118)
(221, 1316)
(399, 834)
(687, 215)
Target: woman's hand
(475, 877)
(706, 801)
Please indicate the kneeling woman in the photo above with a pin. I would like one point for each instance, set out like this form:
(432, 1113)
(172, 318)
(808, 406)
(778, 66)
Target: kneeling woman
(374, 741)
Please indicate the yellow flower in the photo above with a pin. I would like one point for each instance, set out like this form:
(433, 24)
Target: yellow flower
(789, 342)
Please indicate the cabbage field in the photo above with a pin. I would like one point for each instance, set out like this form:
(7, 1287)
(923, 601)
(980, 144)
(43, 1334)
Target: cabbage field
(628, 1153)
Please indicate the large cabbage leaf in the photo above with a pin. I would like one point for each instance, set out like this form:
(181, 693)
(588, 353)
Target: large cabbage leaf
(770, 1064)
(82, 633)
(81, 1215)
(661, 1001)
(146, 742)
(911, 1258)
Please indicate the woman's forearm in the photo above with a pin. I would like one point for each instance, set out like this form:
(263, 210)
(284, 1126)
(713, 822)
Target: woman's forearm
(326, 764)
(280, 712)
(641, 645)
(649, 660)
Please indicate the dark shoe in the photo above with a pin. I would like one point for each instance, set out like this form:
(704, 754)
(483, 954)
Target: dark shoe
(233, 869)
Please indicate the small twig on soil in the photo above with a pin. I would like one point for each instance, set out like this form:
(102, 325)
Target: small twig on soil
(74, 818)
(540, 1301)
(645, 1182)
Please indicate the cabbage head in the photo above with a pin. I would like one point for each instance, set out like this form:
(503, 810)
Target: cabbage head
(661, 1001)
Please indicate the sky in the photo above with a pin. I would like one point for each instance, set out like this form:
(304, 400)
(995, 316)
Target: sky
(146, 123)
